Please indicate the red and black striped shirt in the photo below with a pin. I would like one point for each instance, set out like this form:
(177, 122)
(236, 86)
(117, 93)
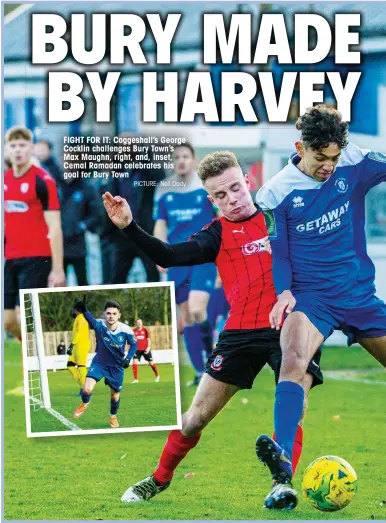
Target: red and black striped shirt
(238, 250)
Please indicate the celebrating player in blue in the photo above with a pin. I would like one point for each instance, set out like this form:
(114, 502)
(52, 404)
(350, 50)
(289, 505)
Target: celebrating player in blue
(181, 208)
(109, 362)
(323, 276)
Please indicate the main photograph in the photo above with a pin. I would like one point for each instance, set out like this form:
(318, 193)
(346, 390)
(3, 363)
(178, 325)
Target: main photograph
(265, 205)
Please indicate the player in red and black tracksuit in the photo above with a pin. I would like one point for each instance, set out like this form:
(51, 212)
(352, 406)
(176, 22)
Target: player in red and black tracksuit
(33, 234)
(235, 242)
(143, 349)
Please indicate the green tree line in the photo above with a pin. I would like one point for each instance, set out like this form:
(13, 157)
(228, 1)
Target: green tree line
(150, 304)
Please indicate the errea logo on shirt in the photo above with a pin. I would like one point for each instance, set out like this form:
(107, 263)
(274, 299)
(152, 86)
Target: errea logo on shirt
(298, 202)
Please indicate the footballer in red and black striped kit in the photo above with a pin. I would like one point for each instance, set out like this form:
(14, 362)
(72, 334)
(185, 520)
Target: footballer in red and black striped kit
(236, 244)
(143, 349)
(245, 268)
(33, 234)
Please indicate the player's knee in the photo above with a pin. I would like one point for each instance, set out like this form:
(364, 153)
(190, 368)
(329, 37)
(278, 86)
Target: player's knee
(294, 365)
(87, 390)
(8, 322)
(198, 314)
(193, 422)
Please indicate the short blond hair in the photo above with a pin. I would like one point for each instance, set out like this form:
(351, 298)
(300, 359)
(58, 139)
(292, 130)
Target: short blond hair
(215, 164)
(18, 132)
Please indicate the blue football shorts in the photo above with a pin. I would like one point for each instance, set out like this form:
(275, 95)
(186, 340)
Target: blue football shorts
(195, 278)
(113, 375)
(364, 317)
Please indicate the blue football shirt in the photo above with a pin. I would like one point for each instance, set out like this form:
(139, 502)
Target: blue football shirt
(314, 236)
(110, 345)
(185, 208)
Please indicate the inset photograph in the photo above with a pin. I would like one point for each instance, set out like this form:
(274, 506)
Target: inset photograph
(100, 359)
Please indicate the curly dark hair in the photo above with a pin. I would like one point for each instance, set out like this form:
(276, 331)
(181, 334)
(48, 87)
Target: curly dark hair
(322, 125)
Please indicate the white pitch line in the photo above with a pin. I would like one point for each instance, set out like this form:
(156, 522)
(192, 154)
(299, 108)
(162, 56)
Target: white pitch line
(58, 416)
(340, 377)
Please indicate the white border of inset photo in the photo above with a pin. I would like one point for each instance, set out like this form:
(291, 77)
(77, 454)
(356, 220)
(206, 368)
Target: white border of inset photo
(74, 429)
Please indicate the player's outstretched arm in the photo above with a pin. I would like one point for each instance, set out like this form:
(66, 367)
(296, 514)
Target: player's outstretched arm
(194, 252)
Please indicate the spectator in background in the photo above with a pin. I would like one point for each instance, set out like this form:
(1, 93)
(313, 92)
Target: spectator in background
(81, 211)
(61, 348)
(141, 199)
(118, 253)
(43, 152)
(109, 236)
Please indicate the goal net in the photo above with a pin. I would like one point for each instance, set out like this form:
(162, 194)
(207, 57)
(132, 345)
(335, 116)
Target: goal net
(39, 393)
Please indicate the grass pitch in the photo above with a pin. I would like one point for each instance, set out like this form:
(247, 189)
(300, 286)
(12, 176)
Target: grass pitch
(143, 404)
(82, 478)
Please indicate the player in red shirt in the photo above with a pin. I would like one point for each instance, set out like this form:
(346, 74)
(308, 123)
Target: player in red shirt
(143, 349)
(235, 242)
(33, 233)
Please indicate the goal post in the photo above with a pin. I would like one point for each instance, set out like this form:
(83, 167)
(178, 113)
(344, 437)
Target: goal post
(39, 392)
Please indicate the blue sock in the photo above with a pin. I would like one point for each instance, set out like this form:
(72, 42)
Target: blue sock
(207, 336)
(85, 397)
(114, 406)
(194, 346)
(287, 413)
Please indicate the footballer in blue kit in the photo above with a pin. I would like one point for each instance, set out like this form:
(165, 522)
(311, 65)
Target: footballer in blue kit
(181, 207)
(110, 359)
(323, 276)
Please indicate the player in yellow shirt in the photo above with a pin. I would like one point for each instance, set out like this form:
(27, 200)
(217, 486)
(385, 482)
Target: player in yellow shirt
(79, 348)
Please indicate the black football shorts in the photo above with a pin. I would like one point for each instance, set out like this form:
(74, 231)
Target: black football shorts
(241, 354)
(148, 356)
(24, 273)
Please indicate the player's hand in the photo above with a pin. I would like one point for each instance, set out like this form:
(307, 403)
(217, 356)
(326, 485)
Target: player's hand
(146, 351)
(57, 279)
(161, 270)
(118, 210)
(267, 245)
(80, 306)
(126, 363)
(69, 350)
(284, 305)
